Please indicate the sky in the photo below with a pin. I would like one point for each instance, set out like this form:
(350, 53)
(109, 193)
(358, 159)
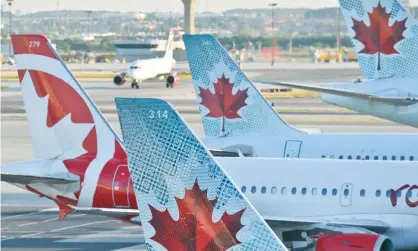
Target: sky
(28, 6)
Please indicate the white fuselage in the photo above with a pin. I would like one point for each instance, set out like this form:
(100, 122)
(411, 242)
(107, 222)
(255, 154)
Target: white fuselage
(315, 189)
(294, 144)
(289, 188)
(141, 70)
(391, 87)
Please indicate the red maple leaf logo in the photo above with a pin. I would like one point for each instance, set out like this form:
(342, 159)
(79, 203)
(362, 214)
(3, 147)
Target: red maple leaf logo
(195, 229)
(379, 37)
(223, 103)
(62, 101)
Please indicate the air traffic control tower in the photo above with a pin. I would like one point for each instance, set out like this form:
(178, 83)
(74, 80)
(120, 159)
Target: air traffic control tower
(189, 8)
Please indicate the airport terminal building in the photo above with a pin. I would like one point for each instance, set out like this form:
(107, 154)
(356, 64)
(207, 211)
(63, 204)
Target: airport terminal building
(131, 50)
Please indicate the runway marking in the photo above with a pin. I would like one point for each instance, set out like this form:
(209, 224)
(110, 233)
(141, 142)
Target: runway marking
(27, 224)
(60, 229)
(32, 213)
(4, 228)
(76, 215)
(11, 238)
(81, 225)
(50, 219)
(130, 234)
(27, 235)
(20, 231)
(136, 247)
(70, 216)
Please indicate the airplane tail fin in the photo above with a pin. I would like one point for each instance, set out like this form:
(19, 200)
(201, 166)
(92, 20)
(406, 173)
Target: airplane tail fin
(229, 103)
(63, 120)
(385, 37)
(186, 200)
(170, 42)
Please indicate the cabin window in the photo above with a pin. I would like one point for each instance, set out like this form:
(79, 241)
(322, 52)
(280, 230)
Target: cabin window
(304, 190)
(399, 194)
(358, 157)
(284, 190)
(243, 189)
(350, 157)
(402, 157)
(324, 191)
(294, 190)
(314, 191)
(393, 157)
(378, 193)
(253, 189)
(346, 192)
(385, 157)
(334, 192)
(376, 157)
(341, 157)
(332, 157)
(362, 192)
(411, 158)
(388, 193)
(323, 156)
(263, 190)
(409, 194)
(367, 157)
(273, 190)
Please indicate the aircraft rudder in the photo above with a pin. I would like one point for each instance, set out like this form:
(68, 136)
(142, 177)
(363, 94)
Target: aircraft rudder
(229, 103)
(172, 170)
(54, 99)
(393, 56)
(169, 52)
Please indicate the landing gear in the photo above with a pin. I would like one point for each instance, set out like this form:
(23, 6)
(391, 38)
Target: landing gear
(168, 85)
(135, 85)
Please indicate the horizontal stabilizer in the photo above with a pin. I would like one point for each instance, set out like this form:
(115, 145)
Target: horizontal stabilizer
(31, 179)
(401, 101)
(108, 212)
(370, 225)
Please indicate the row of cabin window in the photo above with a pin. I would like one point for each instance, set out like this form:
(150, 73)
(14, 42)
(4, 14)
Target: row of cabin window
(358, 157)
(324, 191)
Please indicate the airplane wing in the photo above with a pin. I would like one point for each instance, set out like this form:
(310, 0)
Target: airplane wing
(402, 101)
(371, 225)
(30, 179)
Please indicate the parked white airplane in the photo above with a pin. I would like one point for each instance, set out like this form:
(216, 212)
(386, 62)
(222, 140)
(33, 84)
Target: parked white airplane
(236, 117)
(385, 38)
(144, 69)
(186, 199)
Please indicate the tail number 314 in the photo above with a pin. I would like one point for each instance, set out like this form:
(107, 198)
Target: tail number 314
(158, 114)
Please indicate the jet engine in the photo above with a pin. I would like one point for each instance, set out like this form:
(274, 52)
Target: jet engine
(120, 78)
(172, 80)
(352, 242)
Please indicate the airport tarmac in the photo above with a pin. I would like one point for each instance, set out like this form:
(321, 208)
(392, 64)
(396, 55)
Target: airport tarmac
(30, 223)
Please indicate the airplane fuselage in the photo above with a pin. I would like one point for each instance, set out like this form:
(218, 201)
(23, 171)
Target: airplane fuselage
(392, 87)
(293, 144)
(297, 188)
(141, 70)
(328, 190)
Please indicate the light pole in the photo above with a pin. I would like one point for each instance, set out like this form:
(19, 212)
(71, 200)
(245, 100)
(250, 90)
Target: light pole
(88, 29)
(273, 39)
(338, 30)
(292, 26)
(9, 2)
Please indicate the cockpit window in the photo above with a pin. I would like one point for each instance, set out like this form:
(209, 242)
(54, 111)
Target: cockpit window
(134, 67)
